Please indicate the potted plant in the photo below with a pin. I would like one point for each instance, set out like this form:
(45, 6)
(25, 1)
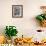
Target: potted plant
(10, 31)
(42, 17)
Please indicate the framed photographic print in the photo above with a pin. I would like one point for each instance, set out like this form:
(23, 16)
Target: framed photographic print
(17, 11)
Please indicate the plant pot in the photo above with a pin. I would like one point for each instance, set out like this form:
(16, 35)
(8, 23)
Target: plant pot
(43, 23)
(9, 41)
(13, 38)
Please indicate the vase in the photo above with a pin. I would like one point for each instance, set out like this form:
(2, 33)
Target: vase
(9, 41)
(13, 38)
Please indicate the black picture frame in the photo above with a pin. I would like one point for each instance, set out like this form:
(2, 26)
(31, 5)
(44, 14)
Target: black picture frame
(17, 11)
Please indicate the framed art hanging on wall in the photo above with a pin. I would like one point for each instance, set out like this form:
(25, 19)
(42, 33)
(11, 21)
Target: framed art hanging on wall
(17, 11)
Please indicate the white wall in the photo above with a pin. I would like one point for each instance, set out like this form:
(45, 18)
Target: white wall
(25, 25)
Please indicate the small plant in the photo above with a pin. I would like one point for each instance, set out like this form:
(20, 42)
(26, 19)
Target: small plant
(11, 31)
(41, 17)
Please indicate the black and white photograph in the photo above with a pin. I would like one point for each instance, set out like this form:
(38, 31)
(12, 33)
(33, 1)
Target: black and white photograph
(17, 11)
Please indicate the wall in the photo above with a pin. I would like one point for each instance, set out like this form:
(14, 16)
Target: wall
(26, 25)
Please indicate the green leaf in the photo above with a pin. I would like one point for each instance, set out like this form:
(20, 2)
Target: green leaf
(40, 18)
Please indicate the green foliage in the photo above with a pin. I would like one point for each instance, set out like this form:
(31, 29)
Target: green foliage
(11, 31)
(41, 17)
(45, 17)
